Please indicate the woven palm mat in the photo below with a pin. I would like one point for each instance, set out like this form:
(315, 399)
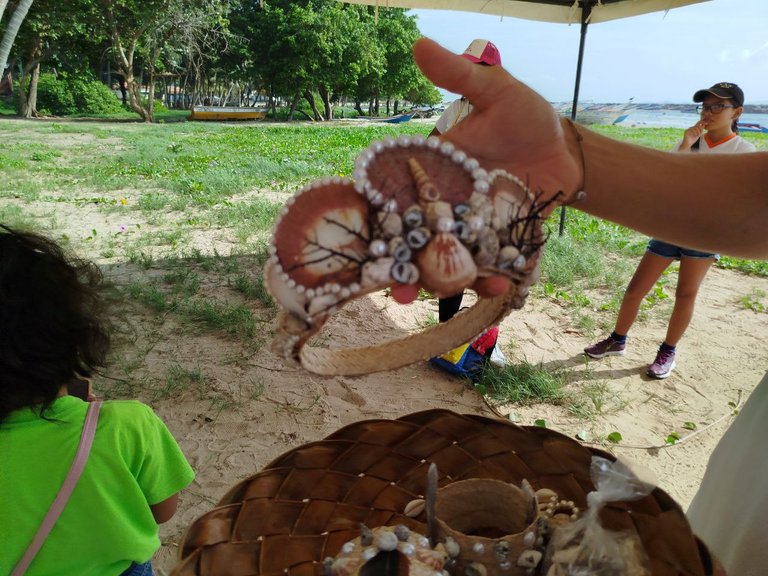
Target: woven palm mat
(308, 502)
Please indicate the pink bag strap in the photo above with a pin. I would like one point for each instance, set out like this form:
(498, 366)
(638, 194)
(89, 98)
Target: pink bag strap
(81, 457)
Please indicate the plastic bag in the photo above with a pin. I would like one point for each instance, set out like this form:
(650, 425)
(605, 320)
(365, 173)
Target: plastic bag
(584, 547)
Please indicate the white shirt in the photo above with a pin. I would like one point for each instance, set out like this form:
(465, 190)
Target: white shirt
(455, 113)
(730, 510)
(734, 145)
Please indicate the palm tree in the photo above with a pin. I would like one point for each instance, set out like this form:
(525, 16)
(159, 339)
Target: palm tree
(13, 27)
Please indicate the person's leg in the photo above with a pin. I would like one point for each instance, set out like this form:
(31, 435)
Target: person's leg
(648, 271)
(690, 277)
(447, 307)
(647, 274)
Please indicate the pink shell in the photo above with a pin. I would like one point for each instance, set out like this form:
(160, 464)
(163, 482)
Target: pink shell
(323, 238)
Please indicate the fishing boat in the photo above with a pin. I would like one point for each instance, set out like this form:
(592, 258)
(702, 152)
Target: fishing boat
(599, 113)
(752, 127)
(398, 119)
(227, 113)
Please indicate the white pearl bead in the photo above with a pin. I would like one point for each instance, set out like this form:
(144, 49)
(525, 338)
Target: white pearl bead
(404, 140)
(471, 164)
(444, 224)
(459, 156)
(482, 186)
(447, 148)
(433, 142)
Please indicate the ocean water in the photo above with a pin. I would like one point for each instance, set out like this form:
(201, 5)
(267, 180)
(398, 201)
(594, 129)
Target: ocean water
(677, 119)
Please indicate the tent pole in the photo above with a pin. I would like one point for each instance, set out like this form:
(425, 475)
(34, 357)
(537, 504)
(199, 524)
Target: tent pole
(586, 10)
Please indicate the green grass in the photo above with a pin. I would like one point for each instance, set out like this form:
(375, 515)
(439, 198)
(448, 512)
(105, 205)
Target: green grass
(522, 384)
(187, 208)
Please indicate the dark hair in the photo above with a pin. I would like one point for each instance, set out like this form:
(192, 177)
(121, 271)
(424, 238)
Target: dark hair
(53, 324)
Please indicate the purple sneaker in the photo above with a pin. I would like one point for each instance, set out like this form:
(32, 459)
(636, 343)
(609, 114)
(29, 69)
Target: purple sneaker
(607, 347)
(663, 365)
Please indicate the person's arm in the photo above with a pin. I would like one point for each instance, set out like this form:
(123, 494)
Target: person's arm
(164, 511)
(717, 203)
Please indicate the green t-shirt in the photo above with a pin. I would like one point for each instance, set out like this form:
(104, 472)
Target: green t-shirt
(107, 522)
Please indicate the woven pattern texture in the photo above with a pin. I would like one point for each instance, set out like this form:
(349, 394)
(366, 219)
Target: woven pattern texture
(307, 503)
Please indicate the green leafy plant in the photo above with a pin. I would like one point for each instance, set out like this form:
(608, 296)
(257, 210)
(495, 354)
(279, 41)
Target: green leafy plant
(614, 437)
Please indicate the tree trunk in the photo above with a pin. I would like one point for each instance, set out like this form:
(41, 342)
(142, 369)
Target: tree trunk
(125, 69)
(326, 102)
(294, 103)
(359, 108)
(31, 103)
(311, 100)
(11, 30)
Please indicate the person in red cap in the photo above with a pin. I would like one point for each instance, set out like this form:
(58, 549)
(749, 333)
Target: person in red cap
(716, 132)
(485, 53)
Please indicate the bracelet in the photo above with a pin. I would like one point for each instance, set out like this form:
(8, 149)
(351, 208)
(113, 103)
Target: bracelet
(417, 211)
(580, 193)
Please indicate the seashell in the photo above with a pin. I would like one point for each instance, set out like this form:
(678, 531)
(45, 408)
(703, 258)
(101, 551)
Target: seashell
(501, 550)
(324, 303)
(324, 236)
(375, 274)
(390, 223)
(445, 224)
(529, 559)
(413, 216)
(461, 210)
(507, 257)
(386, 541)
(405, 273)
(446, 266)
(366, 535)
(486, 248)
(399, 249)
(434, 211)
(529, 539)
(418, 238)
(414, 508)
(475, 569)
(481, 206)
(452, 547)
(465, 233)
(427, 190)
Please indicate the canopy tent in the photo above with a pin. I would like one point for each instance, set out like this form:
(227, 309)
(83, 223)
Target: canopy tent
(584, 12)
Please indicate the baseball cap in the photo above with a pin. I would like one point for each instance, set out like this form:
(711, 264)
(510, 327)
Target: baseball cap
(483, 52)
(721, 90)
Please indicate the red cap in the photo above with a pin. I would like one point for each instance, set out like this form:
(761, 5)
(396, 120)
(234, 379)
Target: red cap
(483, 52)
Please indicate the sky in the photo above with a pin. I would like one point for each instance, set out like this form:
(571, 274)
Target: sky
(660, 57)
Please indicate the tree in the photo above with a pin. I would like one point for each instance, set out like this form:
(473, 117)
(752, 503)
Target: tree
(13, 28)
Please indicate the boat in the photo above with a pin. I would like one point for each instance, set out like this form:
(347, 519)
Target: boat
(398, 119)
(227, 113)
(600, 113)
(752, 127)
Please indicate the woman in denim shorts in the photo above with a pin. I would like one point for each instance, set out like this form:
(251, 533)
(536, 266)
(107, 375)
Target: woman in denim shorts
(715, 133)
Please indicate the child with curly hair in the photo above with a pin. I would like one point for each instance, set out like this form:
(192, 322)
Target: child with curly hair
(53, 334)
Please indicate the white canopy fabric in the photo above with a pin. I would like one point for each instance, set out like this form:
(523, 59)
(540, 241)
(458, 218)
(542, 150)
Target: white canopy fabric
(562, 11)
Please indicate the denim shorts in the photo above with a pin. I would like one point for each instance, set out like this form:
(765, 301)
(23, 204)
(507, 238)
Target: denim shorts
(665, 250)
(135, 569)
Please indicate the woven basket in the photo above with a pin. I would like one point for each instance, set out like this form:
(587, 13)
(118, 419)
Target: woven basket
(308, 502)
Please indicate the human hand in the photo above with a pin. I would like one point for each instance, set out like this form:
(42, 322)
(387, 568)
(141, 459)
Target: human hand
(692, 134)
(510, 127)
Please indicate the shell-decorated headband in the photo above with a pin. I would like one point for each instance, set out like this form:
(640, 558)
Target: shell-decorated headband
(417, 211)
